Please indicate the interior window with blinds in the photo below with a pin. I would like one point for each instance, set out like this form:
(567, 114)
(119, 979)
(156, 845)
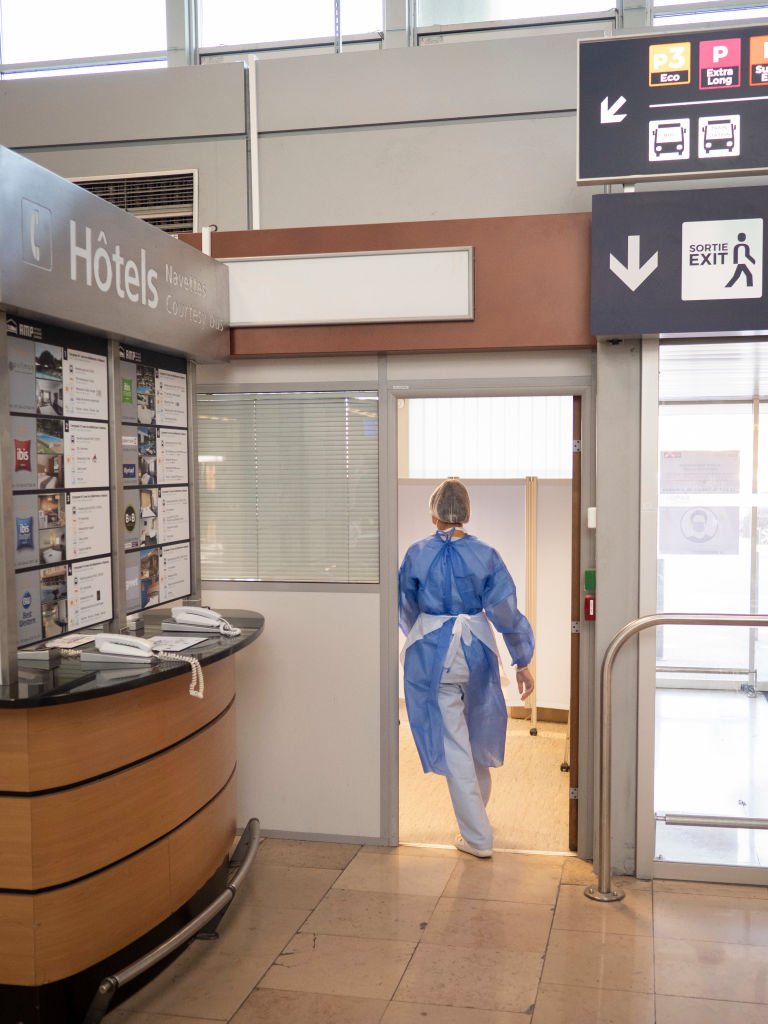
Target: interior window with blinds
(289, 487)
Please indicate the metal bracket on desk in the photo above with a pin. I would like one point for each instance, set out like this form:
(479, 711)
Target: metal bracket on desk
(241, 860)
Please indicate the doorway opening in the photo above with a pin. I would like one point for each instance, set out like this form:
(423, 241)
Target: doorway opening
(519, 457)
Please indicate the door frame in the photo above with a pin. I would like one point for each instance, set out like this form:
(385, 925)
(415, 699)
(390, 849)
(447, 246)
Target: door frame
(509, 384)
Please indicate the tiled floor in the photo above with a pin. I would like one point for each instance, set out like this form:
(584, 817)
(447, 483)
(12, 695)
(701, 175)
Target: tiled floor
(323, 933)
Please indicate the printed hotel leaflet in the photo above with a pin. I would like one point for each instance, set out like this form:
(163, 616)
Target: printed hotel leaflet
(172, 465)
(85, 385)
(173, 514)
(171, 399)
(174, 572)
(89, 593)
(86, 454)
(87, 518)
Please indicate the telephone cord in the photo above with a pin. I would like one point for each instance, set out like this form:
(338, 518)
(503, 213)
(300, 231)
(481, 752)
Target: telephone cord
(197, 683)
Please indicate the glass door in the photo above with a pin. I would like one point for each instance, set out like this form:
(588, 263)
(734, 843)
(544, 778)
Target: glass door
(711, 711)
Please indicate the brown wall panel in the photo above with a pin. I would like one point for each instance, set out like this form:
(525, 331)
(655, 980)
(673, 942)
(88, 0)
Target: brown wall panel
(82, 829)
(531, 285)
(73, 742)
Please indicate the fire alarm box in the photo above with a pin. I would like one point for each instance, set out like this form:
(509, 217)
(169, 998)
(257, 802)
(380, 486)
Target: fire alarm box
(589, 607)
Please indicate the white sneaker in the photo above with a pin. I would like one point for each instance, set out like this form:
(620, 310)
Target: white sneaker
(461, 844)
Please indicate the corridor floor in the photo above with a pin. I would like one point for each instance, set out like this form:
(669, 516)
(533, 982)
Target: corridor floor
(529, 781)
(323, 933)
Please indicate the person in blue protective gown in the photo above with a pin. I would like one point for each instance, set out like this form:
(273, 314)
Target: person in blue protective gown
(451, 586)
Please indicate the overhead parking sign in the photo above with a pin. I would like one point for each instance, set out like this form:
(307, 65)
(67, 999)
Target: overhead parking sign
(687, 105)
(685, 262)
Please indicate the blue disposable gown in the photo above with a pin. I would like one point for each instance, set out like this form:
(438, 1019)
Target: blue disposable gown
(440, 576)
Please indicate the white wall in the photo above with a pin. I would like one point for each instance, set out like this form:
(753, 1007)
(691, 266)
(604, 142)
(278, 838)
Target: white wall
(308, 712)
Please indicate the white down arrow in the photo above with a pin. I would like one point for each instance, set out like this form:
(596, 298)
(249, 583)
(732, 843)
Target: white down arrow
(608, 114)
(633, 274)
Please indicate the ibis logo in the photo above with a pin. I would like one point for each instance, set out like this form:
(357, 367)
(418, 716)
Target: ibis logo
(23, 455)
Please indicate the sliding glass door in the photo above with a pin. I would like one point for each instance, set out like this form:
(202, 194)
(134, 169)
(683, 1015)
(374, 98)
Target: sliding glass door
(711, 706)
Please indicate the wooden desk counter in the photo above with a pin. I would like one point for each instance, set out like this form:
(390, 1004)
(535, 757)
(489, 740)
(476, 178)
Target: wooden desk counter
(117, 807)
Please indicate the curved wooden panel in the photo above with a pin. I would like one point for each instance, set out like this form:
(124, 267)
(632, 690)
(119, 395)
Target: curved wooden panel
(85, 828)
(14, 757)
(17, 939)
(78, 741)
(15, 841)
(52, 935)
(197, 849)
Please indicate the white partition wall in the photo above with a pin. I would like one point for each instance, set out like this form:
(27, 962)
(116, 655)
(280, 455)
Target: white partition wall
(309, 690)
(308, 713)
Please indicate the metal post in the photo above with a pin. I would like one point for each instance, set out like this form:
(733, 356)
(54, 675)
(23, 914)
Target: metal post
(337, 25)
(116, 488)
(9, 642)
(412, 23)
(605, 892)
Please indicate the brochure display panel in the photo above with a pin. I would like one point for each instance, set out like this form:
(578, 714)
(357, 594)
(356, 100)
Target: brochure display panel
(155, 477)
(59, 433)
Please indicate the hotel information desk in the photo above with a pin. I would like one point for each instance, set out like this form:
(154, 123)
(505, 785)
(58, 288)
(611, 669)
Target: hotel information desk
(117, 815)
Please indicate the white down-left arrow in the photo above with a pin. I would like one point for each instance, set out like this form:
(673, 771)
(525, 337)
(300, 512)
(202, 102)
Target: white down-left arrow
(633, 274)
(608, 114)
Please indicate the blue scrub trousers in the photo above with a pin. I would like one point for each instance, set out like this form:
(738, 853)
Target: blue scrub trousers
(469, 783)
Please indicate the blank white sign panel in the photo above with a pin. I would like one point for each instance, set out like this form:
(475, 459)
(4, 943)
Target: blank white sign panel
(370, 287)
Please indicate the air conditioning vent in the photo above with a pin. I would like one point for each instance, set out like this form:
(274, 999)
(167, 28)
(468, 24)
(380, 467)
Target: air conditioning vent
(166, 199)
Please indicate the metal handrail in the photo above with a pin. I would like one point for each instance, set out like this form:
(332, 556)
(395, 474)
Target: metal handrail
(241, 860)
(605, 892)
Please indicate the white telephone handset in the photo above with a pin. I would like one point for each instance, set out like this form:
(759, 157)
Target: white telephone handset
(120, 644)
(135, 650)
(203, 620)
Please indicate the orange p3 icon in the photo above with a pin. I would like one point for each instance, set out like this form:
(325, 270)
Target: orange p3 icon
(669, 64)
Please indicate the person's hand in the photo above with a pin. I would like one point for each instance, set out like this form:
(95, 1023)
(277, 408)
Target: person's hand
(525, 682)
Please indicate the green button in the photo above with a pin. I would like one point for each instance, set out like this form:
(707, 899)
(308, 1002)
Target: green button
(590, 579)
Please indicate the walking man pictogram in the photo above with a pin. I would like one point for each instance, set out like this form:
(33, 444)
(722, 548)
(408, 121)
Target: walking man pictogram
(741, 267)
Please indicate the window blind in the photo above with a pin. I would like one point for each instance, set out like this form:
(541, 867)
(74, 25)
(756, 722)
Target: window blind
(289, 487)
